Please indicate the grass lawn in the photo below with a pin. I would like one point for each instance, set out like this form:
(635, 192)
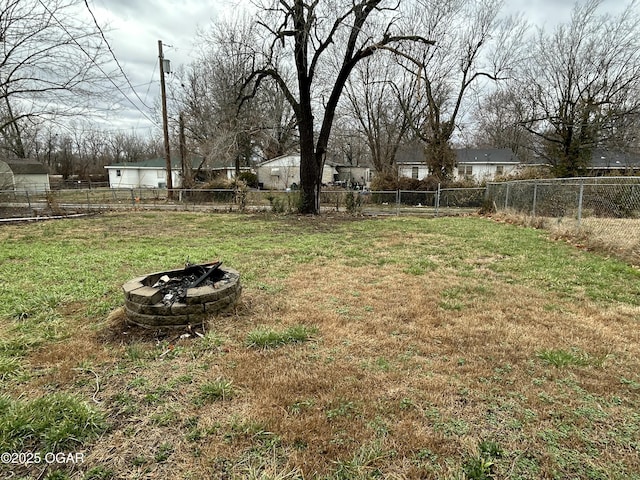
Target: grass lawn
(445, 348)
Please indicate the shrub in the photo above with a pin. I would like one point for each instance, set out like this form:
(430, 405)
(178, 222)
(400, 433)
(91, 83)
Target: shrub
(384, 182)
(353, 202)
(389, 182)
(249, 178)
(288, 203)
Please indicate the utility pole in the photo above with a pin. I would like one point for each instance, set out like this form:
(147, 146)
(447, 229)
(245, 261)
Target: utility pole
(165, 123)
(186, 166)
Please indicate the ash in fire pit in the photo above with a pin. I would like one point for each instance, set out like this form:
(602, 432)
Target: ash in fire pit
(175, 288)
(184, 297)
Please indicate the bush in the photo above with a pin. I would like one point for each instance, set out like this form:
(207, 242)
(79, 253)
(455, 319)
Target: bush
(384, 182)
(249, 178)
(353, 202)
(287, 203)
(390, 182)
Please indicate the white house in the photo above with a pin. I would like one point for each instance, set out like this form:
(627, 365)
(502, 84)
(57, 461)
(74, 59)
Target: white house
(411, 161)
(24, 175)
(481, 164)
(149, 173)
(471, 163)
(283, 172)
(356, 176)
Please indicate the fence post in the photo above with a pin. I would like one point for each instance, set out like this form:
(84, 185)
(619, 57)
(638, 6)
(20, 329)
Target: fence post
(438, 200)
(506, 197)
(26, 192)
(580, 196)
(397, 202)
(535, 197)
(133, 198)
(88, 202)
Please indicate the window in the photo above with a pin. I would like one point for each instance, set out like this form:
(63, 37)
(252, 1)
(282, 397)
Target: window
(160, 174)
(118, 173)
(499, 170)
(465, 171)
(414, 172)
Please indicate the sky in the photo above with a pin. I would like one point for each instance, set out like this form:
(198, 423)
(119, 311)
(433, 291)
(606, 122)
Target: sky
(133, 28)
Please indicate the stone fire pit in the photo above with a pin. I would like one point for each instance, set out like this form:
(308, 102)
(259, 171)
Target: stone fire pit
(179, 298)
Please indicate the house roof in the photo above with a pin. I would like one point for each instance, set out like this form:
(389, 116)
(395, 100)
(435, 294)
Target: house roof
(604, 159)
(414, 153)
(26, 166)
(410, 153)
(156, 163)
(486, 156)
(271, 160)
(293, 155)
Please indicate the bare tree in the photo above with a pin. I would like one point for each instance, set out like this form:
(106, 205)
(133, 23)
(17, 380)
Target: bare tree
(473, 44)
(221, 126)
(581, 84)
(51, 62)
(324, 40)
(376, 93)
(213, 118)
(276, 134)
(498, 118)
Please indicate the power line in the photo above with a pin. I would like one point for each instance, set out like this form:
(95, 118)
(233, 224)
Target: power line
(95, 22)
(92, 60)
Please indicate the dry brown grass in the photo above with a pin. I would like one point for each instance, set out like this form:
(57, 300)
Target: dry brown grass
(390, 370)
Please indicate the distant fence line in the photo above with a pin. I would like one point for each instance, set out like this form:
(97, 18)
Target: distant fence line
(441, 201)
(577, 199)
(601, 212)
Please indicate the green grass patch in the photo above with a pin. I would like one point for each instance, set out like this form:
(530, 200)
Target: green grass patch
(53, 423)
(216, 390)
(268, 338)
(564, 358)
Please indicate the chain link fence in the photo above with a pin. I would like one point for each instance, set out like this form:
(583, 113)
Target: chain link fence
(602, 212)
(430, 203)
(598, 211)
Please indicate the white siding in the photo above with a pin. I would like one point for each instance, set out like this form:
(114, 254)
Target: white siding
(131, 177)
(279, 173)
(484, 171)
(407, 170)
(283, 172)
(6, 177)
(33, 182)
(356, 175)
(30, 182)
(123, 177)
